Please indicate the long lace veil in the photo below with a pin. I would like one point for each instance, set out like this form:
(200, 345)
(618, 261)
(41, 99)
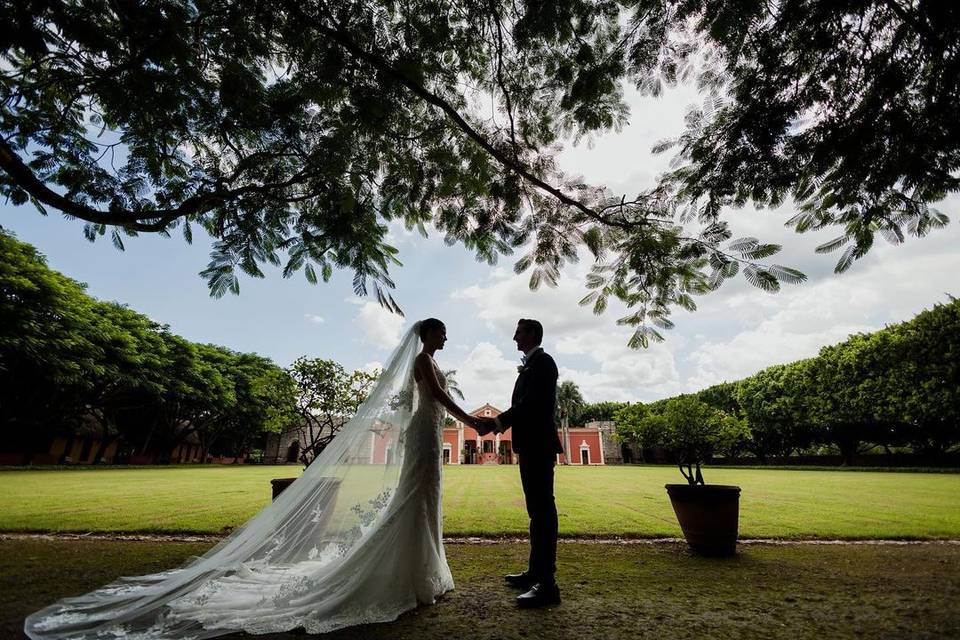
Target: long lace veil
(294, 544)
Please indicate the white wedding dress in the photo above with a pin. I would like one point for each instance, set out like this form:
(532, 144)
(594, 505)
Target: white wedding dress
(357, 539)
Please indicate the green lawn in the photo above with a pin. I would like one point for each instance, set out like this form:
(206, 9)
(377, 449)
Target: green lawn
(618, 592)
(593, 501)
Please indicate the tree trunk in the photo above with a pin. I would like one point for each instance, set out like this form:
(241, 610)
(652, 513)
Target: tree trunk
(105, 443)
(203, 450)
(146, 442)
(67, 448)
(105, 438)
(848, 449)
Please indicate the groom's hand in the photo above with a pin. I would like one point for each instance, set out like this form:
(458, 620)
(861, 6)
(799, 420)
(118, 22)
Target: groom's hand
(484, 426)
(475, 423)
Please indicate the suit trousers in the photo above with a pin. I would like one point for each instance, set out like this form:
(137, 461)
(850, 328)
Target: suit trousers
(536, 476)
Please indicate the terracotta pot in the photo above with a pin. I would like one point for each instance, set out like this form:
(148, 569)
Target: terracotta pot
(708, 515)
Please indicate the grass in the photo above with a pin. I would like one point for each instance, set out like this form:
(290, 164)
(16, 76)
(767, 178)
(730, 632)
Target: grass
(641, 591)
(627, 501)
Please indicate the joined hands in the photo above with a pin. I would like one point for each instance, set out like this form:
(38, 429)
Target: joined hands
(484, 425)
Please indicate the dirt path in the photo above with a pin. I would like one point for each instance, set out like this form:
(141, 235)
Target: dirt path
(206, 537)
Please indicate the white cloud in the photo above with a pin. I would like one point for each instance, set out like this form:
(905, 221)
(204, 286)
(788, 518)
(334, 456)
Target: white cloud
(380, 327)
(315, 319)
(592, 351)
(372, 366)
(736, 331)
(614, 371)
(891, 286)
(484, 374)
(506, 297)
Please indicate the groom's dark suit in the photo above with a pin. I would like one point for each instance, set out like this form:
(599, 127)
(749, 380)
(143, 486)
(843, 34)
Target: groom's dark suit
(532, 416)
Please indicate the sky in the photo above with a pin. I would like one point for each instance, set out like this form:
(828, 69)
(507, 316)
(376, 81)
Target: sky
(735, 332)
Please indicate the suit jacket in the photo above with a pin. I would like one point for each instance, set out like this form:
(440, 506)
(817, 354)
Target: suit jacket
(533, 408)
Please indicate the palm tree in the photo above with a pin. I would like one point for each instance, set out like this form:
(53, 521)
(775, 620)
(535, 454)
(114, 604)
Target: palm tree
(569, 404)
(452, 387)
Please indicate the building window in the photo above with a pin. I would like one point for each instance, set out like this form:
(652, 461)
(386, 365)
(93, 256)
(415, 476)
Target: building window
(487, 412)
(488, 446)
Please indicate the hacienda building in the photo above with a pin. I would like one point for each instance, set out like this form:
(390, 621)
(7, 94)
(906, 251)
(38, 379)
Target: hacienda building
(463, 445)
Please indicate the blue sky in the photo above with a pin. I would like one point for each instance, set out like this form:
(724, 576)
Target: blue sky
(736, 331)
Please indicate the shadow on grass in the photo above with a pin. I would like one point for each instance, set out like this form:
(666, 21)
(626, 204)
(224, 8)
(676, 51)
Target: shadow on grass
(609, 591)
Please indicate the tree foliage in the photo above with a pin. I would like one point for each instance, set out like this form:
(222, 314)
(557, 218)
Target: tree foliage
(896, 387)
(295, 132)
(67, 360)
(637, 425)
(602, 411)
(325, 397)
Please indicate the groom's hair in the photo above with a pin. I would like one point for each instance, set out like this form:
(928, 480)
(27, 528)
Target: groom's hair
(427, 326)
(533, 327)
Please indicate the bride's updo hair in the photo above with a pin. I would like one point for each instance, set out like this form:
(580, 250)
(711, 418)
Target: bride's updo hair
(428, 326)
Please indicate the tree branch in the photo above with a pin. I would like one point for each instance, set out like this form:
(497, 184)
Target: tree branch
(24, 178)
(339, 36)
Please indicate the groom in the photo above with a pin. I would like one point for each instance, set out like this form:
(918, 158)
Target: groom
(535, 440)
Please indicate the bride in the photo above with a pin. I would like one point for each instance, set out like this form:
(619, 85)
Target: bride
(356, 539)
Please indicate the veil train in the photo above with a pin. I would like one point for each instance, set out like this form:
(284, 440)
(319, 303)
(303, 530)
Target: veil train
(292, 564)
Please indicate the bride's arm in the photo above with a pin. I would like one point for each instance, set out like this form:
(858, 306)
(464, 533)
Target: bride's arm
(427, 373)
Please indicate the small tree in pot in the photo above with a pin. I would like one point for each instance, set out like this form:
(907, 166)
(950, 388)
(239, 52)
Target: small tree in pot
(708, 514)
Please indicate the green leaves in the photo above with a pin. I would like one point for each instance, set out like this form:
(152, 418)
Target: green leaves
(281, 131)
(325, 397)
(63, 353)
(808, 111)
(761, 278)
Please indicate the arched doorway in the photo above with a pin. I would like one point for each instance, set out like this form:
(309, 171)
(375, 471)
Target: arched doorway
(293, 453)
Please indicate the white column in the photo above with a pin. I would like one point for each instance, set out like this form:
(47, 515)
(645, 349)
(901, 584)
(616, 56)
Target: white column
(460, 443)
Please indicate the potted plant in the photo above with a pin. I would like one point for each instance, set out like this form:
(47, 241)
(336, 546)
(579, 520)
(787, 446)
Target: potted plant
(708, 513)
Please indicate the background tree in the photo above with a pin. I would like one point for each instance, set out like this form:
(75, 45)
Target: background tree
(44, 358)
(722, 396)
(129, 374)
(264, 401)
(569, 404)
(68, 361)
(837, 398)
(894, 387)
(453, 388)
(636, 425)
(294, 132)
(733, 435)
(600, 411)
(326, 397)
(917, 375)
(777, 422)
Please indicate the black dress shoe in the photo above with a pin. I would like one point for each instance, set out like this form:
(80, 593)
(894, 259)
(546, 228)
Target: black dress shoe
(522, 580)
(540, 595)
